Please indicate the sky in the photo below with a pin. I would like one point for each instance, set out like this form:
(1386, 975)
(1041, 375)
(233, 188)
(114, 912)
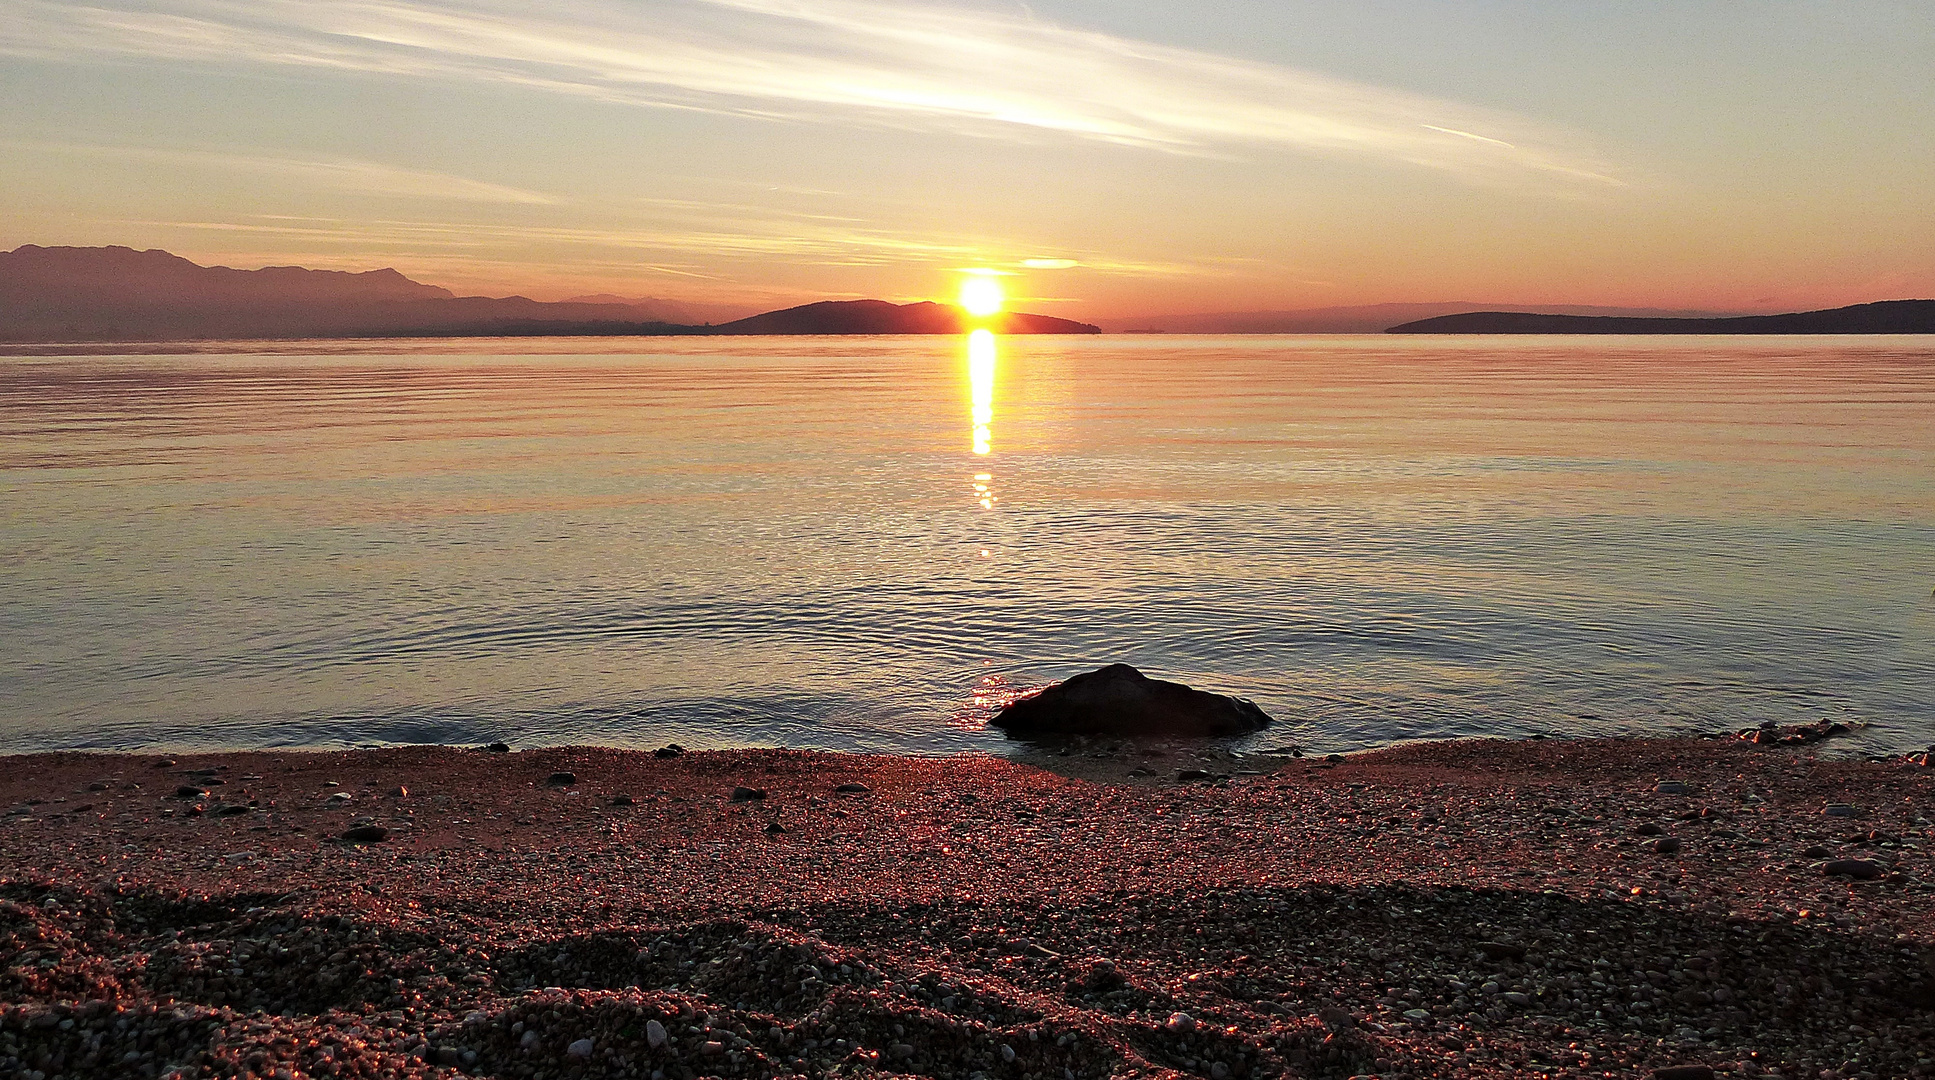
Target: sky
(1115, 158)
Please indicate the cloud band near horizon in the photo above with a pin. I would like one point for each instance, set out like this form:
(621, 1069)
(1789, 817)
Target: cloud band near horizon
(925, 66)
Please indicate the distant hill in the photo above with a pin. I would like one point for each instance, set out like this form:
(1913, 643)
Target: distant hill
(1362, 319)
(881, 317)
(120, 294)
(1884, 317)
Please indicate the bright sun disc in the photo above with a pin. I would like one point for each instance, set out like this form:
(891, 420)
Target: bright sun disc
(981, 296)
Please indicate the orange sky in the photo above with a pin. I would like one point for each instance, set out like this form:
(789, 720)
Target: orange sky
(1145, 158)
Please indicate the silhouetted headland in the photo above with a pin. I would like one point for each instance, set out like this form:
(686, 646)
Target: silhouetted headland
(1885, 317)
(881, 317)
(1358, 319)
(120, 294)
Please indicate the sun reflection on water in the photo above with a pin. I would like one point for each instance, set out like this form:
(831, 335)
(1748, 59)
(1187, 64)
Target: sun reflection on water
(981, 356)
(981, 363)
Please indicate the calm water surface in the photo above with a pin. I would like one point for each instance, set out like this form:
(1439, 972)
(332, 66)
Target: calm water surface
(873, 543)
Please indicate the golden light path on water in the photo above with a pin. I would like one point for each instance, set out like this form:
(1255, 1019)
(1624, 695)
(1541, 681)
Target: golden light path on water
(981, 359)
(982, 356)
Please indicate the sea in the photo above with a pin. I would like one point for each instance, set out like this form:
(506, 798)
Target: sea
(873, 543)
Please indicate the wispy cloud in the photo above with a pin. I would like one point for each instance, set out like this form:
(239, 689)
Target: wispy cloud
(341, 174)
(723, 240)
(691, 244)
(921, 64)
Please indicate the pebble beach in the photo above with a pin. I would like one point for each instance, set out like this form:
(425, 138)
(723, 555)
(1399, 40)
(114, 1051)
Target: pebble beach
(1562, 908)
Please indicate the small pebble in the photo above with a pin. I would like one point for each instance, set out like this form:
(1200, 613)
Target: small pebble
(1858, 869)
(1501, 950)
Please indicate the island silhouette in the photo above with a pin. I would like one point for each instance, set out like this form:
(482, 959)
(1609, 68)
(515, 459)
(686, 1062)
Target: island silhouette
(1882, 317)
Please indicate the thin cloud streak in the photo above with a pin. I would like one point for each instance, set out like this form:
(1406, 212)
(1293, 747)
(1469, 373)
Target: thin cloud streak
(356, 177)
(750, 239)
(927, 66)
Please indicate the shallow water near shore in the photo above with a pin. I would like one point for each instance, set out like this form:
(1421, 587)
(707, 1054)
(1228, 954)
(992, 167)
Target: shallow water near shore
(856, 543)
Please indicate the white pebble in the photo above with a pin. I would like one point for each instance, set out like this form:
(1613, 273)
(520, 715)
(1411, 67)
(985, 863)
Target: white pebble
(654, 1034)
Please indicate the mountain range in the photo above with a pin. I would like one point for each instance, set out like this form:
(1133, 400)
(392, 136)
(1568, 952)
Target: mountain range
(120, 294)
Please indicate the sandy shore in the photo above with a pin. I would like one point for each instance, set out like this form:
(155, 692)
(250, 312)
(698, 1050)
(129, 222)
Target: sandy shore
(1475, 909)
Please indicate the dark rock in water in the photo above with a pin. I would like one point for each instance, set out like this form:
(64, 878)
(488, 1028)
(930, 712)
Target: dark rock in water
(1119, 700)
(1649, 829)
(775, 827)
(671, 750)
(562, 779)
(1666, 845)
(1186, 775)
(747, 794)
(622, 800)
(499, 748)
(853, 789)
(367, 834)
(190, 791)
(165, 763)
(231, 810)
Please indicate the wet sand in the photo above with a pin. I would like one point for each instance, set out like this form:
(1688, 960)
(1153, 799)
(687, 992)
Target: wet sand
(1484, 909)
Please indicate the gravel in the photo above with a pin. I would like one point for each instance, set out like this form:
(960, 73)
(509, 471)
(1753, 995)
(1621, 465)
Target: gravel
(1448, 910)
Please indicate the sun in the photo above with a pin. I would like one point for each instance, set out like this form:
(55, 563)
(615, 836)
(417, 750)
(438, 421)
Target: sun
(981, 296)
